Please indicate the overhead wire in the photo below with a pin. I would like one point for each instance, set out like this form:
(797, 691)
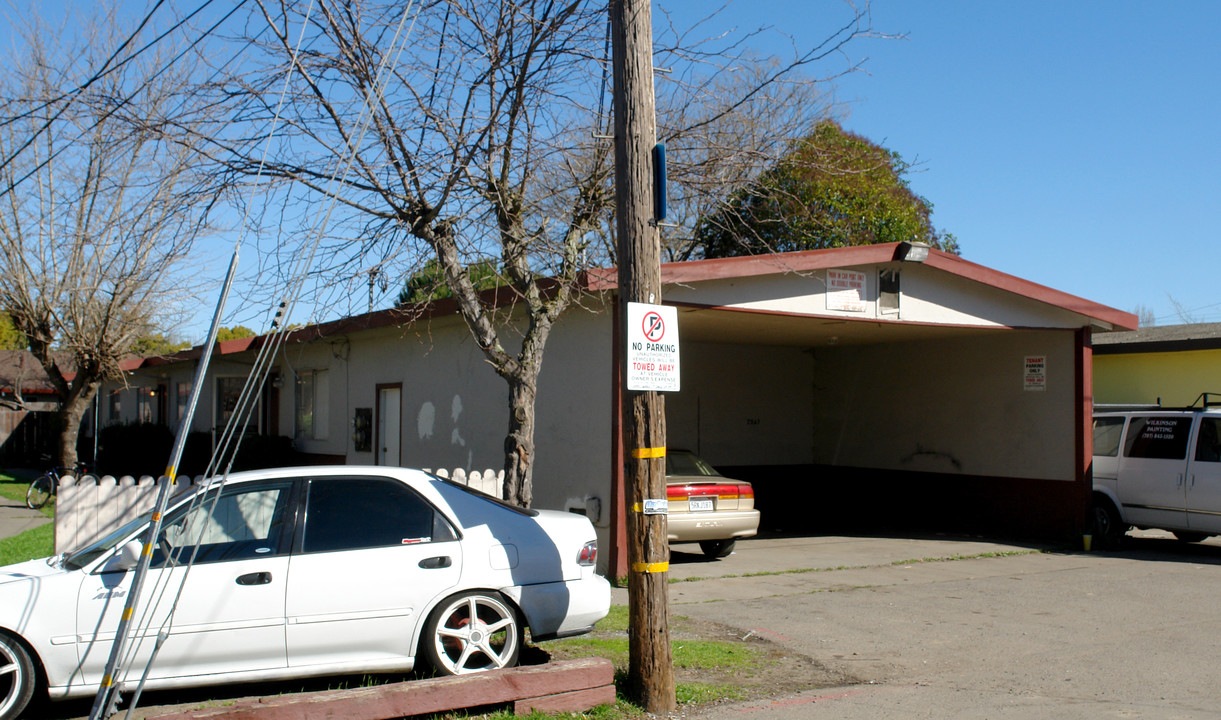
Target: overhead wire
(238, 423)
(116, 107)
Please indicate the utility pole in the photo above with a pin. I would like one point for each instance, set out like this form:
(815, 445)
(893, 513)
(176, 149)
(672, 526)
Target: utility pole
(651, 665)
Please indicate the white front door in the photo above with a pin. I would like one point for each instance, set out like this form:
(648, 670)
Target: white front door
(389, 426)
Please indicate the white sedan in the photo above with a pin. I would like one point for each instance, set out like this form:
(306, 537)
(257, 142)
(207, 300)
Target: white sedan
(303, 572)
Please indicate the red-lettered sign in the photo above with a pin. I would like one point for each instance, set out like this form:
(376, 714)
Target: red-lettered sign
(652, 348)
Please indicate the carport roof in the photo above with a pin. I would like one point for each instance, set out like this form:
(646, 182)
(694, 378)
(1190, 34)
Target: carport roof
(761, 327)
(811, 260)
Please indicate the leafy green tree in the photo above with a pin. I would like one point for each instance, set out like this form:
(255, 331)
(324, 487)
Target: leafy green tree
(233, 333)
(429, 282)
(10, 337)
(157, 344)
(833, 189)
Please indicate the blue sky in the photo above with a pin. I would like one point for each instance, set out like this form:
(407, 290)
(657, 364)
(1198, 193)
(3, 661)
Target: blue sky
(1071, 143)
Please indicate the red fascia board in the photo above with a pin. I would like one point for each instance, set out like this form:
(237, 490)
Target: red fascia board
(810, 260)
(601, 279)
(1010, 283)
(392, 317)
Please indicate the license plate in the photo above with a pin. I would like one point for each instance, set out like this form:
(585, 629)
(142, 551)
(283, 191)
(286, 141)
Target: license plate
(700, 505)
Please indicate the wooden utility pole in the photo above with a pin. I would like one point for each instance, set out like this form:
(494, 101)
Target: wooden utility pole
(651, 669)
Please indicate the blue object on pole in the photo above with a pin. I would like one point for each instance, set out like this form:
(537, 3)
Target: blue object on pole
(659, 182)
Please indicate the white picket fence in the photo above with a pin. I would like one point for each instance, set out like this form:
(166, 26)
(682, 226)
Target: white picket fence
(90, 507)
(490, 482)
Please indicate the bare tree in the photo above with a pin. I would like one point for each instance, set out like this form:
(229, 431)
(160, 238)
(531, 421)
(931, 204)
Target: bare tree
(96, 211)
(469, 132)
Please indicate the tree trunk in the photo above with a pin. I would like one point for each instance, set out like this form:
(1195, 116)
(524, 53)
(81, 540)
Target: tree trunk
(71, 413)
(519, 443)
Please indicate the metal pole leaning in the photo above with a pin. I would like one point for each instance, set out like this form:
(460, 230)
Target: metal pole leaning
(107, 697)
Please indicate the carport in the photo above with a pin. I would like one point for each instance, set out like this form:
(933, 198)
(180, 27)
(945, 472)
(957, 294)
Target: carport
(874, 384)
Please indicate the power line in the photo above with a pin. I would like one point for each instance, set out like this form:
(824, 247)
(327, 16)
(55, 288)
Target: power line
(118, 105)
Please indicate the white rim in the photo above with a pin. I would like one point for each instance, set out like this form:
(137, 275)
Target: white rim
(10, 672)
(487, 642)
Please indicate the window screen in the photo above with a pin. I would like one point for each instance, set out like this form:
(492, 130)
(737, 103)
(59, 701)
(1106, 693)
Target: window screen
(1159, 438)
(355, 513)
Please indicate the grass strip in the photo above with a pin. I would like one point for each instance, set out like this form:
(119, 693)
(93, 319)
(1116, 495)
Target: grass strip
(34, 543)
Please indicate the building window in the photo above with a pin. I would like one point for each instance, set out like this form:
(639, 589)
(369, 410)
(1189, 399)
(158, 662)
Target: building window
(183, 392)
(888, 291)
(313, 391)
(228, 393)
(145, 399)
(114, 412)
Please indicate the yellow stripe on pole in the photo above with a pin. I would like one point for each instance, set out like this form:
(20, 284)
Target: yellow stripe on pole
(657, 567)
(127, 613)
(648, 453)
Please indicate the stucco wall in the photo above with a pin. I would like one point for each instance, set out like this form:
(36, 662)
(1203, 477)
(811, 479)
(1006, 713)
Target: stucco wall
(951, 406)
(454, 406)
(743, 405)
(1177, 378)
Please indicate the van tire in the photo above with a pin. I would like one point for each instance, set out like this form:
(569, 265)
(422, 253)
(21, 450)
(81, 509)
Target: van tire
(1109, 528)
(1190, 537)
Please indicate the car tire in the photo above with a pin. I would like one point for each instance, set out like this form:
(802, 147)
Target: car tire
(718, 548)
(1190, 537)
(17, 678)
(1108, 526)
(454, 645)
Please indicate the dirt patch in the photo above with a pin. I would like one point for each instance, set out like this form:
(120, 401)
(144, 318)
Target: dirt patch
(775, 671)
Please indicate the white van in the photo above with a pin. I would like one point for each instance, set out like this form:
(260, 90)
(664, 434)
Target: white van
(1158, 468)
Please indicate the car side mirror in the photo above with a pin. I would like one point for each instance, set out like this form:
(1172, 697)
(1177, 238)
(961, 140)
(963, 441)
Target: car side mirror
(127, 557)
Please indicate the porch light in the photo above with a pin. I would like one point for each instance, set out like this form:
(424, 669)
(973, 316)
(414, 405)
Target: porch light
(912, 251)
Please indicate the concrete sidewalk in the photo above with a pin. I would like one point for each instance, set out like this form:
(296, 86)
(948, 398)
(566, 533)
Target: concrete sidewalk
(16, 518)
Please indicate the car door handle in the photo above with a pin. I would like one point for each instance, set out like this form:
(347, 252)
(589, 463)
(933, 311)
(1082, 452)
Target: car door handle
(256, 578)
(434, 563)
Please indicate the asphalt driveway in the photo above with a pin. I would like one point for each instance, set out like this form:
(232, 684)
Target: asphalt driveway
(966, 627)
(991, 631)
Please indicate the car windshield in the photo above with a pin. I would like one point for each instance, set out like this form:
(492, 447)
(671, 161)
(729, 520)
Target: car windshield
(683, 462)
(80, 558)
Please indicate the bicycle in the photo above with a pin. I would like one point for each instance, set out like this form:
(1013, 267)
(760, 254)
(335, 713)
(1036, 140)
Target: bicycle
(47, 484)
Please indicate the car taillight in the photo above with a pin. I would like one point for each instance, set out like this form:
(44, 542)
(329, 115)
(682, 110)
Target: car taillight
(724, 491)
(589, 554)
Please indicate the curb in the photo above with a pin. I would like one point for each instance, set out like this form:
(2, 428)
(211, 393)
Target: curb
(562, 686)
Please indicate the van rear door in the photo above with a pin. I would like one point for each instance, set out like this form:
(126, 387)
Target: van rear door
(1204, 478)
(1153, 470)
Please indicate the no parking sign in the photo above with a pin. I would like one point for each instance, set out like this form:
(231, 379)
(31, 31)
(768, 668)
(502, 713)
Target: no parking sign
(652, 348)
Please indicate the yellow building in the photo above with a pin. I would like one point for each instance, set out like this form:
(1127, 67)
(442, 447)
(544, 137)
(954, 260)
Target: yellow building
(1169, 365)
